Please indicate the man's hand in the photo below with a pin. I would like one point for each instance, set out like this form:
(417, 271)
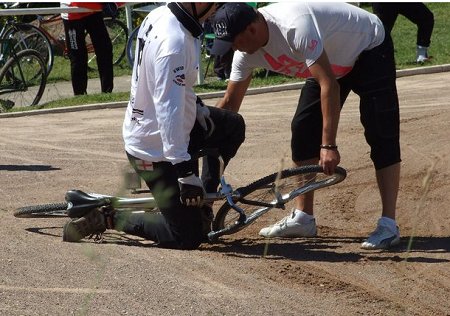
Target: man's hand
(192, 191)
(329, 159)
(203, 117)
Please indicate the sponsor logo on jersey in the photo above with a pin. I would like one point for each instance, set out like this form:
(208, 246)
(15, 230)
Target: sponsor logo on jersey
(313, 44)
(180, 77)
(285, 65)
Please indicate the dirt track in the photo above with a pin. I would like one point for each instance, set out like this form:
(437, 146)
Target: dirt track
(43, 156)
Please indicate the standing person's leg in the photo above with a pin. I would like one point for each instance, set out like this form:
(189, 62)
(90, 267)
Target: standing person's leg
(218, 67)
(419, 14)
(307, 120)
(227, 60)
(379, 107)
(222, 65)
(387, 12)
(103, 50)
(76, 45)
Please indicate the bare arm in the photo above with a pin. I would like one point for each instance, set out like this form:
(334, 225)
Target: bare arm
(330, 101)
(234, 95)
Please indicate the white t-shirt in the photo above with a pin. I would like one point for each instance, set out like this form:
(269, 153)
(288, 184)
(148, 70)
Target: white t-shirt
(300, 31)
(162, 110)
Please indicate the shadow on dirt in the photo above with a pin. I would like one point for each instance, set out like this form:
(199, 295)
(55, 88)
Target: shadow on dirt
(27, 168)
(329, 249)
(326, 249)
(110, 237)
(429, 244)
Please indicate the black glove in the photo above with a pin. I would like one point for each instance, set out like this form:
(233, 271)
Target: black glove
(110, 9)
(203, 117)
(192, 192)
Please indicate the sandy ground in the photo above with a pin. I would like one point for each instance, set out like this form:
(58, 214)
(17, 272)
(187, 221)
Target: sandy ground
(43, 156)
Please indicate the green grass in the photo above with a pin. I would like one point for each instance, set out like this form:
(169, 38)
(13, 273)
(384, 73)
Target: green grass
(403, 34)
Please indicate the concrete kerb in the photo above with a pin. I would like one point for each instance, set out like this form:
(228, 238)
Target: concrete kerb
(218, 94)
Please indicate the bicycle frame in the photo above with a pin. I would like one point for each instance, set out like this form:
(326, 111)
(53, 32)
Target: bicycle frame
(57, 40)
(10, 23)
(78, 204)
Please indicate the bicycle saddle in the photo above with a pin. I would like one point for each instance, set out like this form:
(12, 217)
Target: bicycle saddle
(80, 203)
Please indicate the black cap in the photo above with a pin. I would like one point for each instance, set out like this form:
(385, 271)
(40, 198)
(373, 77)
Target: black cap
(230, 20)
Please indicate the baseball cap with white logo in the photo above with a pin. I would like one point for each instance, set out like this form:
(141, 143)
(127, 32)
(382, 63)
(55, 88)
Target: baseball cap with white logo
(230, 20)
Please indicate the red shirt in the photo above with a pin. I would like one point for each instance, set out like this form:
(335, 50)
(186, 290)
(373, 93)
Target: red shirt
(94, 6)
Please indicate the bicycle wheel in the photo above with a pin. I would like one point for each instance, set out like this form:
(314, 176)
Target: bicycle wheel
(262, 195)
(118, 33)
(22, 79)
(131, 46)
(44, 210)
(27, 36)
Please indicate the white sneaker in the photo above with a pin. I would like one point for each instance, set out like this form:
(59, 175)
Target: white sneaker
(422, 54)
(383, 237)
(289, 227)
(422, 59)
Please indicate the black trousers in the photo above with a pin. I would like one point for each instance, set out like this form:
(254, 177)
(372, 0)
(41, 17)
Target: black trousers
(416, 12)
(179, 226)
(75, 31)
(373, 80)
(222, 65)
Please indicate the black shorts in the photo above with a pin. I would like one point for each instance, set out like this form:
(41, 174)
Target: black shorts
(373, 80)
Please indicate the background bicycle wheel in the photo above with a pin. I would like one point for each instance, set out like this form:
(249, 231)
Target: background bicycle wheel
(22, 79)
(27, 36)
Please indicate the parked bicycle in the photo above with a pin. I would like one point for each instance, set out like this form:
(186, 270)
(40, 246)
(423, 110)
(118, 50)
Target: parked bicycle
(241, 207)
(27, 36)
(23, 76)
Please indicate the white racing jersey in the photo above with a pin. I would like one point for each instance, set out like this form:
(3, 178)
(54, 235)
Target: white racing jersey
(162, 110)
(300, 31)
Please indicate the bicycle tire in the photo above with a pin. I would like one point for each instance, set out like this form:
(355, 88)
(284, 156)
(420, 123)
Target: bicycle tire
(289, 184)
(28, 36)
(131, 46)
(26, 90)
(119, 38)
(118, 32)
(43, 210)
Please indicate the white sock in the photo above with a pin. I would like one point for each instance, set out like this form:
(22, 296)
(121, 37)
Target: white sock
(301, 217)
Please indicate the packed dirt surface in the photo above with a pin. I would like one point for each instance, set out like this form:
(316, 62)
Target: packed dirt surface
(43, 156)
